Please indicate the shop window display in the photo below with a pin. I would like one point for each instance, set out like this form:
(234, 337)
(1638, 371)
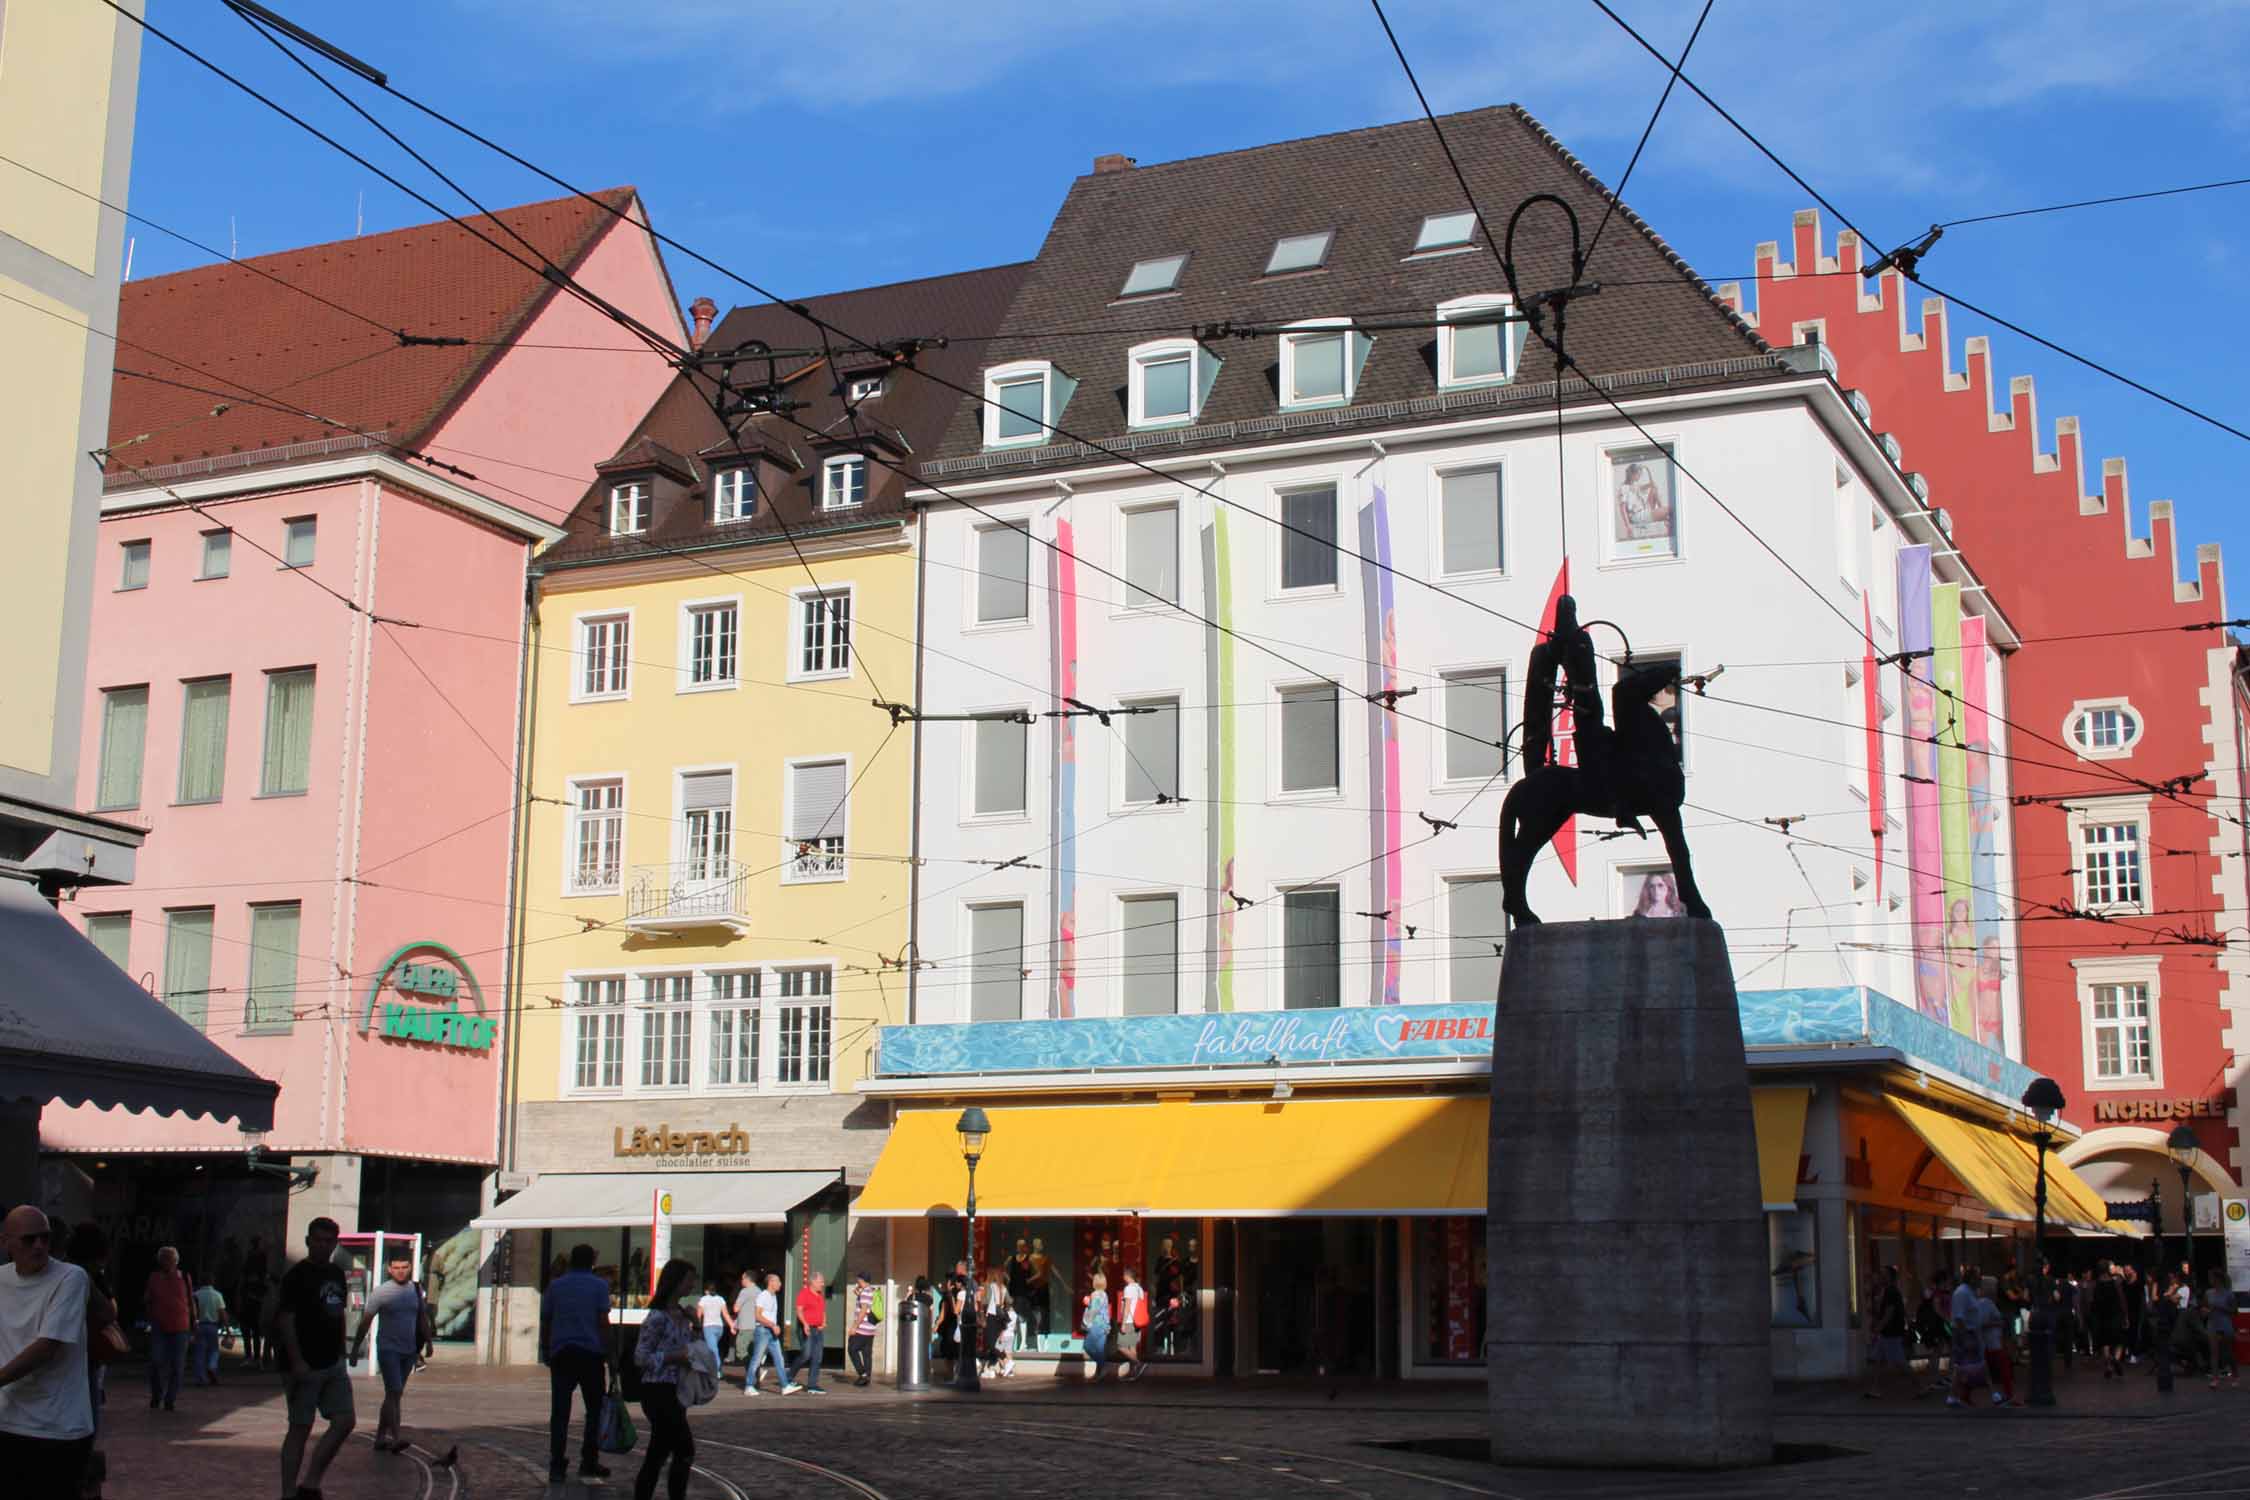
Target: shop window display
(1449, 1291)
(1049, 1265)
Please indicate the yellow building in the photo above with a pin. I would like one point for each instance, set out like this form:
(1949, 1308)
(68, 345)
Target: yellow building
(713, 894)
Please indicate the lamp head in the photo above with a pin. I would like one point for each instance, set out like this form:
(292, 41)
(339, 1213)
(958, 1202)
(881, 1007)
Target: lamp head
(2183, 1146)
(2044, 1099)
(973, 1127)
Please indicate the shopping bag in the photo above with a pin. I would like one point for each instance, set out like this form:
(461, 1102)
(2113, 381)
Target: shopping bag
(618, 1435)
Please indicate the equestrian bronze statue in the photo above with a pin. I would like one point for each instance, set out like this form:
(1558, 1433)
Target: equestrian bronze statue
(1626, 771)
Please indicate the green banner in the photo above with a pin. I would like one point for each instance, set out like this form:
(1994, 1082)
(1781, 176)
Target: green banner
(1955, 825)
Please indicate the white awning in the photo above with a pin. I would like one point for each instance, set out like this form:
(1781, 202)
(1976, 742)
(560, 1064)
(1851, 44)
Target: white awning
(610, 1200)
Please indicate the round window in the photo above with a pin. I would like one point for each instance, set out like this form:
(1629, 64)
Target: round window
(2101, 730)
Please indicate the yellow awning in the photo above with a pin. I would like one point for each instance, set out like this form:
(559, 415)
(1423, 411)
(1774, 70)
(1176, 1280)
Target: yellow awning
(1781, 1143)
(1227, 1159)
(1984, 1159)
(2071, 1201)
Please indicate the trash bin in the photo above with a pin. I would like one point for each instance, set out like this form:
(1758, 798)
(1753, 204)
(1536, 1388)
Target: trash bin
(913, 1346)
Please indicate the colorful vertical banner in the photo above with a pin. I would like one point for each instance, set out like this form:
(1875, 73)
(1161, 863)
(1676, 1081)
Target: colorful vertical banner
(1065, 610)
(1380, 608)
(1924, 875)
(1223, 710)
(1984, 831)
(1461, 1292)
(1871, 709)
(1957, 935)
(1566, 742)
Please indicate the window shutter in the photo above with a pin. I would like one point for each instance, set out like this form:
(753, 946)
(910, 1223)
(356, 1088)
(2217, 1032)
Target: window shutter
(1308, 739)
(273, 965)
(1475, 704)
(1472, 521)
(706, 791)
(1310, 963)
(816, 806)
(1150, 950)
(1474, 922)
(1152, 761)
(1152, 556)
(1000, 765)
(1003, 574)
(124, 737)
(996, 963)
(203, 740)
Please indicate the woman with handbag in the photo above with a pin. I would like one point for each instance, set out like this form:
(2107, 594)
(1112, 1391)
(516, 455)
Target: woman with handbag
(668, 1332)
(992, 1308)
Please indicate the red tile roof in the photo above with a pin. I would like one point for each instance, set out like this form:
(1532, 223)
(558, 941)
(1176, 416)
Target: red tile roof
(223, 327)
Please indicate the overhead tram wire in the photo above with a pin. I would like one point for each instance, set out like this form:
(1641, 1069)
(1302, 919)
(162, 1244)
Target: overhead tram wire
(2056, 208)
(1647, 130)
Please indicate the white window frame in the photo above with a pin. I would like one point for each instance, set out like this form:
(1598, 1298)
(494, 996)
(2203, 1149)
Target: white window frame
(1277, 745)
(1444, 247)
(839, 464)
(709, 1004)
(2102, 812)
(1282, 890)
(1126, 509)
(2084, 706)
(225, 536)
(798, 599)
(668, 1011)
(1170, 288)
(1160, 351)
(969, 729)
(572, 812)
(633, 494)
(1029, 1006)
(288, 540)
(841, 832)
(1446, 675)
(126, 553)
(1128, 898)
(728, 509)
(1446, 881)
(1124, 759)
(1025, 526)
(1510, 350)
(780, 1001)
(2143, 969)
(1280, 588)
(683, 830)
(1327, 238)
(1316, 328)
(1016, 374)
(690, 610)
(580, 655)
(1495, 463)
(576, 1011)
(864, 388)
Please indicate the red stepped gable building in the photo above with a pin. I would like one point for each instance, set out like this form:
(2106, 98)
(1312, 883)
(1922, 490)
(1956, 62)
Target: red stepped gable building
(2126, 678)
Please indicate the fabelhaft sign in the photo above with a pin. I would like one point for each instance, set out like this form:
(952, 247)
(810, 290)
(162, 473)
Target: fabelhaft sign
(663, 1140)
(425, 972)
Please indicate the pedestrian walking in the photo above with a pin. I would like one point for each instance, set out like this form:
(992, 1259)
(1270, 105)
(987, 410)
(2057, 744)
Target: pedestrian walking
(1096, 1303)
(992, 1317)
(2106, 1320)
(1993, 1318)
(662, 1353)
(716, 1320)
(867, 1315)
(1886, 1322)
(171, 1318)
(1132, 1323)
(2218, 1323)
(46, 1407)
(400, 1316)
(250, 1306)
(1966, 1324)
(574, 1344)
(89, 1252)
(210, 1321)
(310, 1331)
(765, 1338)
(742, 1320)
(948, 1347)
(812, 1320)
(2136, 1294)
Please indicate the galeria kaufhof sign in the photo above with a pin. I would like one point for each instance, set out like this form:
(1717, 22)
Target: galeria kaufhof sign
(426, 982)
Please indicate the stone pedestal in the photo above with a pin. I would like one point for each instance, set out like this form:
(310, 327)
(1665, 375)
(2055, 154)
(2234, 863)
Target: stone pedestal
(1627, 1247)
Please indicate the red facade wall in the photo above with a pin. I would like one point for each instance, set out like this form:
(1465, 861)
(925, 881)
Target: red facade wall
(2061, 562)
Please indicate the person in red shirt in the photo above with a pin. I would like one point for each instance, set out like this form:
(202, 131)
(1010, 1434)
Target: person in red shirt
(812, 1317)
(165, 1304)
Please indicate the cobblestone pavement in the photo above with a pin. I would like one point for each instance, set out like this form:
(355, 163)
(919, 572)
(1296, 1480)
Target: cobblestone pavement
(1240, 1440)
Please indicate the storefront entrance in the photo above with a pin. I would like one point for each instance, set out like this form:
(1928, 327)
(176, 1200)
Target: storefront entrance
(1310, 1293)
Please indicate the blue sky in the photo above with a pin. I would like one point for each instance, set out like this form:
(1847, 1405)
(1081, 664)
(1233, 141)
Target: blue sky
(818, 146)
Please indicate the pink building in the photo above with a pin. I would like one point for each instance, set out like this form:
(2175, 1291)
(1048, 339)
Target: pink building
(329, 470)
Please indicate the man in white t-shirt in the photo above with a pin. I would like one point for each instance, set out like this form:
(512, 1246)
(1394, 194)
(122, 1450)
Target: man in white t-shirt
(46, 1413)
(765, 1336)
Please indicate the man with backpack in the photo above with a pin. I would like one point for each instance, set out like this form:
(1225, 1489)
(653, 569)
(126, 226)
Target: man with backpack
(867, 1312)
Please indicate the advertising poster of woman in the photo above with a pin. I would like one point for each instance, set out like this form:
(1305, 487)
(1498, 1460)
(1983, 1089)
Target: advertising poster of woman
(1651, 893)
(1644, 518)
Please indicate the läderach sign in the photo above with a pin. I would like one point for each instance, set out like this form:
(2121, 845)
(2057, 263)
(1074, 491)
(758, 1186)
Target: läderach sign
(428, 970)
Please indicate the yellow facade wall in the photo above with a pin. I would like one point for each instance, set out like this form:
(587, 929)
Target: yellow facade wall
(757, 728)
(40, 397)
(56, 65)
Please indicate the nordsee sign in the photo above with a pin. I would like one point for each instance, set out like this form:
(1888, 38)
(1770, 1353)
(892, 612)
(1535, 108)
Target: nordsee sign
(428, 971)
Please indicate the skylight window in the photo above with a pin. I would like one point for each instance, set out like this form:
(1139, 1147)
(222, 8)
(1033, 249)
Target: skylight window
(1299, 252)
(1444, 231)
(1159, 275)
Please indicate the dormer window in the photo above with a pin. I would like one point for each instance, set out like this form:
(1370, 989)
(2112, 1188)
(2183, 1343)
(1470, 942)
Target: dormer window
(1299, 252)
(1474, 346)
(1320, 362)
(866, 388)
(1445, 232)
(1149, 276)
(1023, 402)
(843, 481)
(1169, 381)
(734, 495)
(628, 509)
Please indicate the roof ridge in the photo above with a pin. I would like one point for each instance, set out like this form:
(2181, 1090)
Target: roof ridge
(1625, 211)
(881, 286)
(1300, 140)
(628, 192)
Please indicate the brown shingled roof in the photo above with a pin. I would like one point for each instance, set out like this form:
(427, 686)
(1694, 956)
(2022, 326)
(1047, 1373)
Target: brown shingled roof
(903, 424)
(231, 324)
(1372, 188)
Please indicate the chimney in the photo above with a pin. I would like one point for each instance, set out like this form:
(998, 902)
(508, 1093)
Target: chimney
(1112, 162)
(703, 309)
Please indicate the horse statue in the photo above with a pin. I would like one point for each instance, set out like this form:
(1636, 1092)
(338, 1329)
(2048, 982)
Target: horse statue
(1625, 772)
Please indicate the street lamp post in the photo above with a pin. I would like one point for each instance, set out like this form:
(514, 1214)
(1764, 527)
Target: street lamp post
(2182, 1146)
(973, 1128)
(2045, 1100)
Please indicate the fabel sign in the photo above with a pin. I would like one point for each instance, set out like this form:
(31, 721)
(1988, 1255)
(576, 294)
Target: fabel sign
(415, 976)
(2121, 1111)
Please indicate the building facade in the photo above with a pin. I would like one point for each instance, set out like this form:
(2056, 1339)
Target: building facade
(1223, 643)
(2129, 823)
(306, 682)
(713, 894)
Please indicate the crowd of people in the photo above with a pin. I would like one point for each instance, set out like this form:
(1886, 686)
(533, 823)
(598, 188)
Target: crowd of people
(1969, 1331)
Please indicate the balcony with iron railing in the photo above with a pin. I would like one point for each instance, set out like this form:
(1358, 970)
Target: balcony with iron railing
(815, 858)
(687, 894)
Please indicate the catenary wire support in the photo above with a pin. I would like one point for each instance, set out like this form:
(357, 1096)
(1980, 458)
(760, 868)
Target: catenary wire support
(1536, 309)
